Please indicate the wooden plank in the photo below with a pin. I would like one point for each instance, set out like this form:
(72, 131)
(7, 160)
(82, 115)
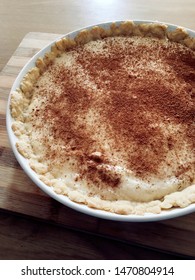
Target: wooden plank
(175, 235)
(43, 207)
(4, 142)
(34, 240)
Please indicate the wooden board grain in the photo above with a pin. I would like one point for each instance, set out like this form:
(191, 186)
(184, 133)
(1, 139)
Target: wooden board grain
(20, 195)
(32, 239)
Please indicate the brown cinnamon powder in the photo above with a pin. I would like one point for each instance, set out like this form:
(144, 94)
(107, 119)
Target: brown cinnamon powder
(142, 94)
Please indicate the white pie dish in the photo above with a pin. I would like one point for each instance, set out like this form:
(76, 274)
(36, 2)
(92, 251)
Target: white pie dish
(63, 199)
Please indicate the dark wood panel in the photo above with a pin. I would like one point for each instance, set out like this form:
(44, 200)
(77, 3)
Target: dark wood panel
(23, 238)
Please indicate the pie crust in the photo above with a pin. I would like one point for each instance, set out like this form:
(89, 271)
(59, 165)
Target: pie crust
(107, 118)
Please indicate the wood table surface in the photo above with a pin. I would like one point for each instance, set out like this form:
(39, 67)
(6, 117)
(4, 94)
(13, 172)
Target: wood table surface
(34, 226)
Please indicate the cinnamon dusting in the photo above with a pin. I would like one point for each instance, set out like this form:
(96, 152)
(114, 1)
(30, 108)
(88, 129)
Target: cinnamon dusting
(143, 93)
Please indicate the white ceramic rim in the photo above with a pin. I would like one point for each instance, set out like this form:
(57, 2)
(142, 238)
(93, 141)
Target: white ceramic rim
(168, 214)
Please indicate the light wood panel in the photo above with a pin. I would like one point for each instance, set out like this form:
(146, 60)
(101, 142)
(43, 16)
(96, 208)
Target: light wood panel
(18, 17)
